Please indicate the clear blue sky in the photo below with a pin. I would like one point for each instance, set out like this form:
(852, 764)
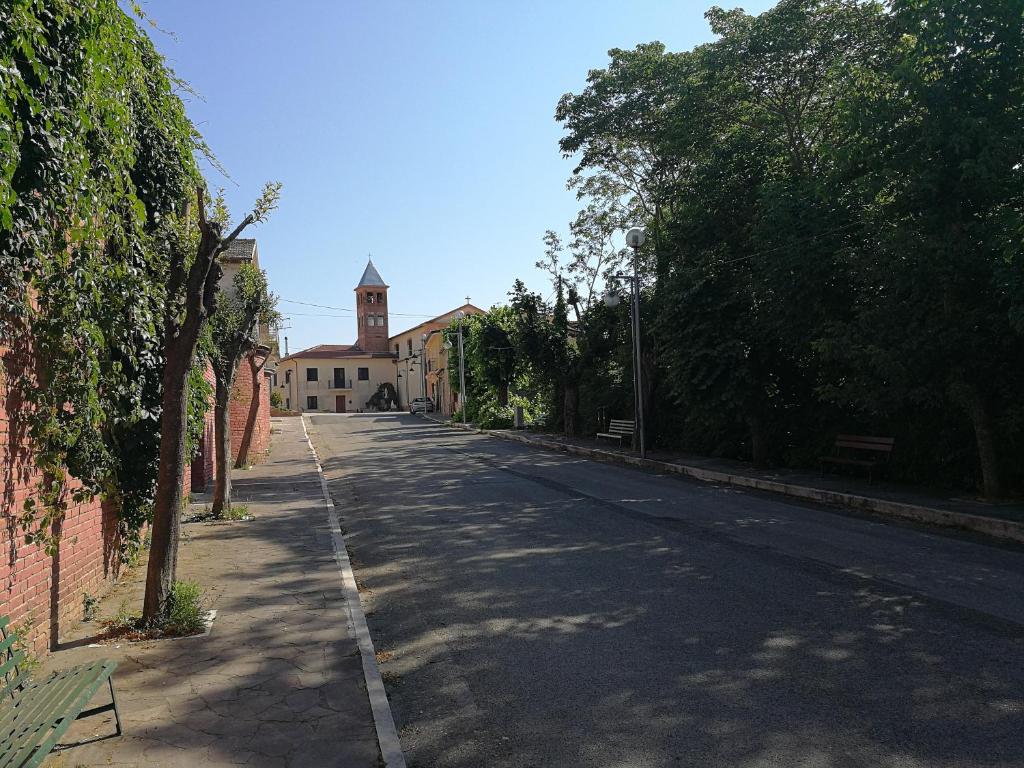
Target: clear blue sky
(421, 132)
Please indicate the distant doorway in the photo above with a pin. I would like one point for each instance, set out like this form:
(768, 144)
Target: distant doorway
(339, 403)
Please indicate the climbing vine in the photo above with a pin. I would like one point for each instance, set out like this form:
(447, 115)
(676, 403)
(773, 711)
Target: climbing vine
(97, 159)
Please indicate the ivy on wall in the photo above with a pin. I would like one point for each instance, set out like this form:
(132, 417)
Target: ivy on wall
(97, 159)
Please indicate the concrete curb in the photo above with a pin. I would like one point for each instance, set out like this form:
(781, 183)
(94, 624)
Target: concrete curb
(1006, 530)
(383, 720)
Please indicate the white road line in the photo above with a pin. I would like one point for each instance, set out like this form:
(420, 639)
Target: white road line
(383, 720)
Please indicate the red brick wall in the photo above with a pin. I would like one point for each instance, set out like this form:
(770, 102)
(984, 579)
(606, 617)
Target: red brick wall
(35, 589)
(250, 411)
(200, 475)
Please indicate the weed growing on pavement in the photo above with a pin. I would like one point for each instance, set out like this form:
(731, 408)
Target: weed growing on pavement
(187, 614)
(236, 512)
(23, 632)
(89, 605)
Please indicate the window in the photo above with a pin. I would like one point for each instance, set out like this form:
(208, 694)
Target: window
(410, 346)
(287, 377)
(364, 374)
(380, 298)
(369, 298)
(311, 403)
(312, 374)
(339, 378)
(380, 320)
(396, 349)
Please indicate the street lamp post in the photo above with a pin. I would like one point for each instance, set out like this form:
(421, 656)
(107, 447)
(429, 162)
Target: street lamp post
(423, 370)
(634, 238)
(463, 396)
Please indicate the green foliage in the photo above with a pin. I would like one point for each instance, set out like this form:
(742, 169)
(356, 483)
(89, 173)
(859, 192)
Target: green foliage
(236, 512)
(96, 159)
(490, 415)
(89, 605)
(276, 399)
(186, 611)
(385, 398)
(245, 307)
(833, 197)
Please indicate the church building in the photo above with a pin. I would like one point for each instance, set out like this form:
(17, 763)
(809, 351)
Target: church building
(343, 377)
(340, 378)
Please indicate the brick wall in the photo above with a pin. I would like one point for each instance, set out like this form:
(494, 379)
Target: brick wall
(199, 476)
(37, 590)
(250, 410)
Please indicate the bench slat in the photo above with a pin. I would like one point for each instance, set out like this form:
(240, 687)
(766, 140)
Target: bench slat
(866, 440)
(866, 443)
(44, 711)
(9, 677)
(73, 707)
(7, 642)
(35, 717)
(842, 460)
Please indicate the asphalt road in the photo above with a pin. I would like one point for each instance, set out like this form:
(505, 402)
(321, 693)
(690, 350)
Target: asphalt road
(534, 609)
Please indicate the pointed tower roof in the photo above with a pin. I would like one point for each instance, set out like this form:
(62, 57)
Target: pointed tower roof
(371, 277)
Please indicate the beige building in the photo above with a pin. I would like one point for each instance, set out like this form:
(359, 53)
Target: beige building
(343, 377)
(409, 347)
(339, 378)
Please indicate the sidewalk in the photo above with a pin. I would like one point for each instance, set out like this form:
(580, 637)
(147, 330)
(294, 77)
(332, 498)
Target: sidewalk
(279, 681)
(1001, 521)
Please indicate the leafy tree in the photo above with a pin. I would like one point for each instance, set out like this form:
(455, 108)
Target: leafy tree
(490, 357)
(940, 136)
(833, 193)
(385, 398)
(241, 311)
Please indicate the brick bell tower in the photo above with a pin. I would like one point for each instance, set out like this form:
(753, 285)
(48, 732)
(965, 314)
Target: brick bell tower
(372, 310)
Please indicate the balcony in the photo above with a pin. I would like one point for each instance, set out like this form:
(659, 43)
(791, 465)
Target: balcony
(339, 384)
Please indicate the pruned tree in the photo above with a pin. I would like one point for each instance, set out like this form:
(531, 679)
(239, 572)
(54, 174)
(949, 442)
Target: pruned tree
(193, 282)
(245, 307)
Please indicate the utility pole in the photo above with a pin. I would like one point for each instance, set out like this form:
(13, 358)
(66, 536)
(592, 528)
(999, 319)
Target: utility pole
(635, 238)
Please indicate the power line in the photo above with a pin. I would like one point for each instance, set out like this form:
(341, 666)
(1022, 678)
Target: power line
(310, 304)
(341, 309)
(808, 239)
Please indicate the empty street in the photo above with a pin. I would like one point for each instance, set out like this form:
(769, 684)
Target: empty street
(532, 609)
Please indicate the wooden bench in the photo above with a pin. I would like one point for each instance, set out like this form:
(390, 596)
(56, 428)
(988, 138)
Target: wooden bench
(35, 714)
(618, 429)
(859, 451)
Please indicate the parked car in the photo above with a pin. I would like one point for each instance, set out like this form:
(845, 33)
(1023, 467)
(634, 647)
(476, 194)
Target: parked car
(421, 405)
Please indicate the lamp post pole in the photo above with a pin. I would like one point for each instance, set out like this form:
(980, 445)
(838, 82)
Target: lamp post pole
(423, 371)
(463, 396)
(635, 238)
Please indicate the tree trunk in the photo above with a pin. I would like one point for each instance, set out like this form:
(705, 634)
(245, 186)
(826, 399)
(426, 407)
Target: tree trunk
(200, 282)
(222, 439)
(650, 368)
(503, 394)
(980, 413)
(758, 442)
(571, 406)
(166, 530)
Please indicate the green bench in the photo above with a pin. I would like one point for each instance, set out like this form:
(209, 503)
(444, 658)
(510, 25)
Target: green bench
(35, 714)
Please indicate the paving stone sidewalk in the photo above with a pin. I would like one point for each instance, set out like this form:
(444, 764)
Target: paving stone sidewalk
(278, 682)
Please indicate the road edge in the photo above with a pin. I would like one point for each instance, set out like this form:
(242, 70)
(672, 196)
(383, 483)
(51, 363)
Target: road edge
(996, 528)
(383, 719)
